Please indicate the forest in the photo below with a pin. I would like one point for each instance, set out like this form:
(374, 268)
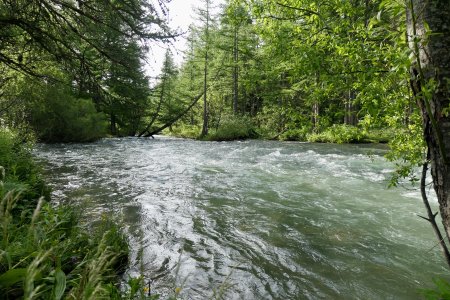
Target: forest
(339, 72)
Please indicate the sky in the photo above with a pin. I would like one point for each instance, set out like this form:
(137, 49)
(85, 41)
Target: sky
(181, 15)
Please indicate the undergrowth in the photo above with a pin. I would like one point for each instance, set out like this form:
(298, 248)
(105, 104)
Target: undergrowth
(344, 134)
(232, 128)
(184, 131)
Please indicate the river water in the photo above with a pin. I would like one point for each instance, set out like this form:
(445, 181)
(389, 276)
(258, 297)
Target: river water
(254, 219)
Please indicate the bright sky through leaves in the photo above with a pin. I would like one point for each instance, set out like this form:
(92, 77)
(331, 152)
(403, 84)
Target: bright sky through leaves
(181, 15)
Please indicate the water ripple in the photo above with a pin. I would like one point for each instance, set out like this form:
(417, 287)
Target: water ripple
(256, 219)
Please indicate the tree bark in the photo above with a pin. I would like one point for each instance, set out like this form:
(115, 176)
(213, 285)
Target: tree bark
(235, 71)
(205, 75)
(350, 117)
(431, 67)
(431, 217)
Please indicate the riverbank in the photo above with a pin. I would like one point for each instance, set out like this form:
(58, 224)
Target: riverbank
(241, 129)
(46, 251)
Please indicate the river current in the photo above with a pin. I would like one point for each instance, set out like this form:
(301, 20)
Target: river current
(254, 219)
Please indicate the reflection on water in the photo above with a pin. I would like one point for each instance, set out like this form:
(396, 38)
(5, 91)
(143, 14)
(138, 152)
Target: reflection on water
(255, 219)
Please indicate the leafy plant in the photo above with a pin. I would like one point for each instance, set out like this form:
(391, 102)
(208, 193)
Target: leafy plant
(441, 291)
(57, 116)
(337, 134)
(233, 128)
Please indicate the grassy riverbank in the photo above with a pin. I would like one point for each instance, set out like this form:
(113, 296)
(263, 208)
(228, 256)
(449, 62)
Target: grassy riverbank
(46, 252)
(240, 128)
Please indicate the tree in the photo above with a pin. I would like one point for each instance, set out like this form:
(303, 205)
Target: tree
(165, 89)
(57, 29)
(428, 25)
(205, 16)
(95, 48)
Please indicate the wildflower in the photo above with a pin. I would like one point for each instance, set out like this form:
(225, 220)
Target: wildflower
(177, 290)
(146, 289)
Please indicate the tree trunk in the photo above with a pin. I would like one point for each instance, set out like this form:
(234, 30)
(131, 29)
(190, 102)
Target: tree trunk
(113, 127)
(431, 217)
(205, 75)
(315, 115)
(432, 64)
(176, 118)
(315, 107)
(235, 71)
(156, 114)
(350, 117)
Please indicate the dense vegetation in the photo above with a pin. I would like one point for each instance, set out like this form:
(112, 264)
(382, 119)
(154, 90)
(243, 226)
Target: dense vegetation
(333, 71)
(271, 69)
(294, 70)
(69, 71)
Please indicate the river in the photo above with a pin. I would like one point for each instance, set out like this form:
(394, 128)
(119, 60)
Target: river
(254, 219)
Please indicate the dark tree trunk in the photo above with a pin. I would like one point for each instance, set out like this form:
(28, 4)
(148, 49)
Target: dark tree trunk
(113, 126)
(432, 63)
(235, 71)
(350, 117)
(205, 75)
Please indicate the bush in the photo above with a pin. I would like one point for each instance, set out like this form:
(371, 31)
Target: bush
(299, 134)
(384, 135)
(339, 134)
(233, 128)
(57, 116)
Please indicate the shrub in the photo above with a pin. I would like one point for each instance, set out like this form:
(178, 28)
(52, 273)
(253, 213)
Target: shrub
(337, 134)
(57, 116)
(184, 131)
(384, 135)
(299, 134)
(233, 128)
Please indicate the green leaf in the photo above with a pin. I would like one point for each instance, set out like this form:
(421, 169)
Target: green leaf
(60, 284)
(12, 277)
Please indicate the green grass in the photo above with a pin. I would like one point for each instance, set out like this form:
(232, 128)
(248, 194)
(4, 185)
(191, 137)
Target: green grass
(47, 254)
